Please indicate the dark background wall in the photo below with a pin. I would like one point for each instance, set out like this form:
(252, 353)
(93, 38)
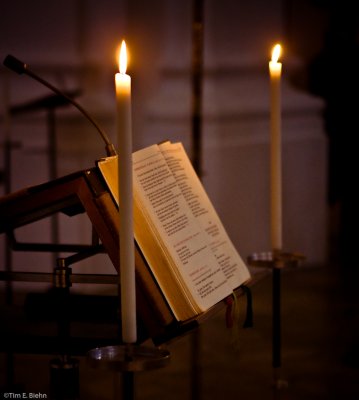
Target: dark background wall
(73, 44)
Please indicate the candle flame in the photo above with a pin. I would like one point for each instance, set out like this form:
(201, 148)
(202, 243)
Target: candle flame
(123, 58)
(276, 52)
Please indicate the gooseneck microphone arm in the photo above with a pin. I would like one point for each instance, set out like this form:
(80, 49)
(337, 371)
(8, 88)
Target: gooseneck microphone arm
(21, 68)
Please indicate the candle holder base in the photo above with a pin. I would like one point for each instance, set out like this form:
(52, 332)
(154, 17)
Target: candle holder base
(280, 384)
(128, 358)
(275, 259)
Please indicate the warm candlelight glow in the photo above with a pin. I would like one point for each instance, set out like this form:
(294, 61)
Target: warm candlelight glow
(123, 58)
(123, 81)
(276, 52)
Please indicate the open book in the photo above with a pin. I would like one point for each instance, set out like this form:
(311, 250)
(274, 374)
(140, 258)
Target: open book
(178, 230)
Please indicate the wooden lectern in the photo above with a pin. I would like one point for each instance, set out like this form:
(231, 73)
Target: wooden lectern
(86, 192)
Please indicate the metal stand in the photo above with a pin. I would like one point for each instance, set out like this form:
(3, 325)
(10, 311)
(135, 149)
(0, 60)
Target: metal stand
(64, 370)
(64, 378)
(128, 359)
(276, 261)
(197, 31)
(73, 194)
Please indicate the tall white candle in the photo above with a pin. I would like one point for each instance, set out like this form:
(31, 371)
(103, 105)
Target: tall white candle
(127, 258)
(275, 70)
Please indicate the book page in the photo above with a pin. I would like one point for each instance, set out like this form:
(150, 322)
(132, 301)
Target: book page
(203, 211)
(166, 206)
(152, 246)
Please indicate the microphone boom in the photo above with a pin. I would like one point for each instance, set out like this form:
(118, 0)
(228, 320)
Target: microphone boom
(21, 68)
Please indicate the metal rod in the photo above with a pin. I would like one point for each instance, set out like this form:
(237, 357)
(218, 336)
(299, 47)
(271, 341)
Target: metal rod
(52, 161)
(8, 253)
(276, 314)
(128, 385)
(49, 247)
(197, 78)
(19, 276)
(82, 255)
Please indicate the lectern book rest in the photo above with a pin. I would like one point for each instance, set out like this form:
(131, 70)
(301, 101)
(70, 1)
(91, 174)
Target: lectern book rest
(185, 262)
(178, 231)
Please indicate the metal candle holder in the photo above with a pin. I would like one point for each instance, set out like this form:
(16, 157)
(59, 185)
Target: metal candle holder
(128, 359)
(276, 260)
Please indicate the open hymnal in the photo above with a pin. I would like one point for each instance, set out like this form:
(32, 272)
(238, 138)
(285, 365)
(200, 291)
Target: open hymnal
(178, 230)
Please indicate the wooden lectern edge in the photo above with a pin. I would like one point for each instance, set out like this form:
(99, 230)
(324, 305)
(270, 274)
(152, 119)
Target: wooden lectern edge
(84, 188)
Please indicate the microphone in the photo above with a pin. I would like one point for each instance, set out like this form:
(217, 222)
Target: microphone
(21, 68)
